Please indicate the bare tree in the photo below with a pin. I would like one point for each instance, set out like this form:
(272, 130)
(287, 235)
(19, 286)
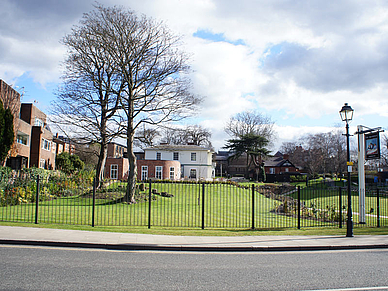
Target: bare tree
(250, 122)
(191, 134)
(197, 135)
(146, 137)
(172, 135)
(318, 153)
(89, 98)
(152, 68)
(88, 153)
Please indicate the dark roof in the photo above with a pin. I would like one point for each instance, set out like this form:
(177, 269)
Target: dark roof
(277, 162)
(177, 148)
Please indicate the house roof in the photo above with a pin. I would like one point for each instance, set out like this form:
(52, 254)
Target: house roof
(177, 148)
(277, 161)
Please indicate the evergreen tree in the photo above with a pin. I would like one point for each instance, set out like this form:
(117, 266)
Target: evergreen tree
(7, 134)
(68, 163)
(251, 145)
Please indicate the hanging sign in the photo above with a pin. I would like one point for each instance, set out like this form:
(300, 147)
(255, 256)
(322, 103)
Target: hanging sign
(372, 146)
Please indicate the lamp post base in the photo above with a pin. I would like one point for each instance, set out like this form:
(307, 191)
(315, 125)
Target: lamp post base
(349, 228)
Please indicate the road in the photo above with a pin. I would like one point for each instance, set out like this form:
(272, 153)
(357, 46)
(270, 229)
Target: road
(43, 268)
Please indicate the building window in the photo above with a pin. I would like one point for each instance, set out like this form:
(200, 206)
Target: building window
(193, 174)
(287, 170)
(172, 173)
(22, 139)
(42, 164)
(144, 173)
(46, 145)
(159, 156)
(272, 170)
(114, 171)
(158, 172)
(175, 156)
(193, 157)
(38, 122)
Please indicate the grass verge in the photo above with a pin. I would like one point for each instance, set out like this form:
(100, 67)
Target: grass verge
(322, 231)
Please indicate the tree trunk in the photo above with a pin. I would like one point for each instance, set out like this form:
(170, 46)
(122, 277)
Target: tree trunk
(247, 168)
(101, 164)
(103, 153)
(132, 177)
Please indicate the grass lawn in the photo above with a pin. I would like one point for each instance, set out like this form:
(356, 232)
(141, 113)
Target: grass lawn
(221, 206)
(322, 231)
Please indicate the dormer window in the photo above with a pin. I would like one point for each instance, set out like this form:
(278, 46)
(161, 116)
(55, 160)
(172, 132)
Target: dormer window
(159, 156)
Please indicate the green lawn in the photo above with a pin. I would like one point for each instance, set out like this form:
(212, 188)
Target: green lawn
(225, 206)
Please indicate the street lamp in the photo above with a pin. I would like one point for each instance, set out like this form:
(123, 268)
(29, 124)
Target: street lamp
(347, 115)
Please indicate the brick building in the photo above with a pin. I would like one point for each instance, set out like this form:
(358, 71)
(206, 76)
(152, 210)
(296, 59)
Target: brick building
(34, 144)
(171, 162)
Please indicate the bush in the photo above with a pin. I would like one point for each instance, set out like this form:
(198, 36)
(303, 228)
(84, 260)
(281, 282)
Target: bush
(69, 164)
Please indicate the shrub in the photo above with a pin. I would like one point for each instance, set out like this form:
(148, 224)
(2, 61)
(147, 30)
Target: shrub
(69, 163)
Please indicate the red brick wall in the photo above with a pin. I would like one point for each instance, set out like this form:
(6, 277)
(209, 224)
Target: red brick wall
(279, 170)
(165, 171)
(123, 167)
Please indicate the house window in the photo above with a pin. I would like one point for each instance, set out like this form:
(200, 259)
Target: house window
(272, 170)
(22, 139)
(193, 157)
(176, 156)
(158, 172)
(46, 145)
(193, 174)
(144, 173)
(114, 171)
(42, 163)
(159, 156)
(172, 173)
(287, 169)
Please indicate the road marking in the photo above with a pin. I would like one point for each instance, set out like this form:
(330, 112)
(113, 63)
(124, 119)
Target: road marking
(354, 289)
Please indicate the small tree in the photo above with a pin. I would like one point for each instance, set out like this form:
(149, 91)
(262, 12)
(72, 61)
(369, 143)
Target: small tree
(7, 134)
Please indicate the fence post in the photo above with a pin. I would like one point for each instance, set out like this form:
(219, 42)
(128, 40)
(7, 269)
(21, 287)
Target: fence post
(298, 207)
(37, 200)
(253, 206)
(149, 202)
(203, 205)
(94, 201)
(340, 207)
(378, 207)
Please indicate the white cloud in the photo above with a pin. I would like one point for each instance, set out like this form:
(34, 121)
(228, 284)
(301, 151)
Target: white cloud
(301, 58)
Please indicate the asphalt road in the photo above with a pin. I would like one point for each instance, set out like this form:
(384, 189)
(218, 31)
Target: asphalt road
(43, 268)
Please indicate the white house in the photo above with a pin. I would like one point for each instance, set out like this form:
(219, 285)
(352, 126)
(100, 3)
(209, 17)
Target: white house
(196, 162)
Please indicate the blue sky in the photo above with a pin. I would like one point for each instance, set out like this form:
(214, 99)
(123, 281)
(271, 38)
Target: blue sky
(298, 62)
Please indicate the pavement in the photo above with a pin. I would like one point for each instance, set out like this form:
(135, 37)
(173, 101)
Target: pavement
(129, 241)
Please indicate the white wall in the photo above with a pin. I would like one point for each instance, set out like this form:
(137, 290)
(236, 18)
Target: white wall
(203, 163)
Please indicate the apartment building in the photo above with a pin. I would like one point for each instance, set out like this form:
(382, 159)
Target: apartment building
(34, 144)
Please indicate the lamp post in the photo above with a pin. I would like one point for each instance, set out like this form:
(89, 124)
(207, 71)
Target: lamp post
(347, 115)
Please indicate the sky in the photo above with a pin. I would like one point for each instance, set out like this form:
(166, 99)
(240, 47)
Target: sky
(295, 61)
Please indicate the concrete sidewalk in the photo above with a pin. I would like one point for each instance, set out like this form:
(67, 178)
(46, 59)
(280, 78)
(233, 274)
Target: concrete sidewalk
(128, 241)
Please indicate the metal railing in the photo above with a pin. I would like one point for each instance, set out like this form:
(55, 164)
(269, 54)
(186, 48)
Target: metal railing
(184, 204)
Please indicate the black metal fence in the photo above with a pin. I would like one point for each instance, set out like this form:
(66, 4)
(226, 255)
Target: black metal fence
(185, 204)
